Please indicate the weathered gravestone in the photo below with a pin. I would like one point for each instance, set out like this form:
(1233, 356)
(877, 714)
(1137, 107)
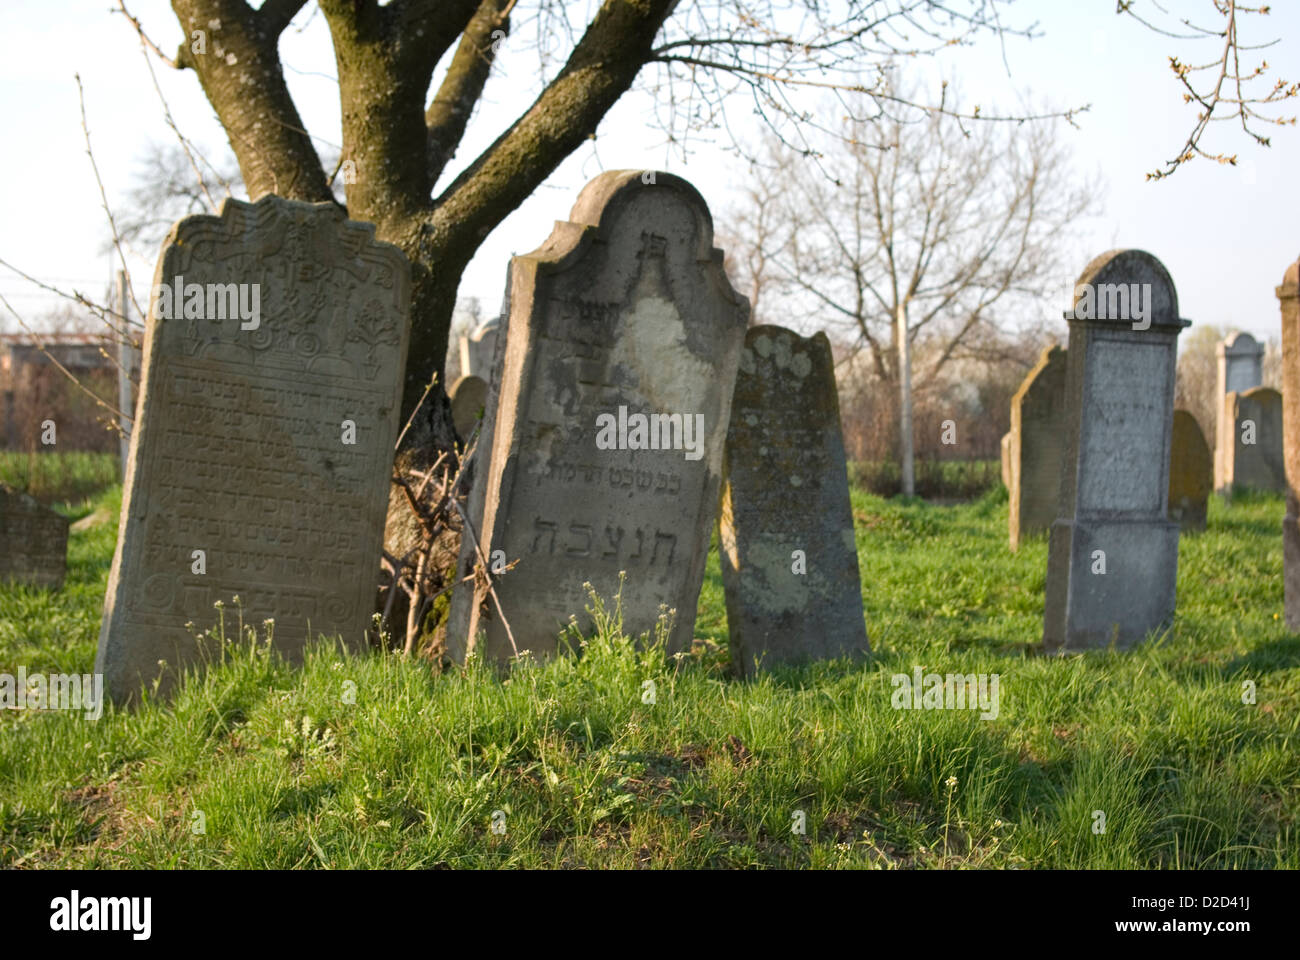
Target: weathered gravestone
(478, 349)
(1288, 295)
(261, 457)
(785, 526)
(1240, 368)
(1006, 460)
(1241, 364)
(33, 541)
(468, 397)
(1251, 456)
(1036, 446)
(608, 426)
(1191, 472)
(1113, 555)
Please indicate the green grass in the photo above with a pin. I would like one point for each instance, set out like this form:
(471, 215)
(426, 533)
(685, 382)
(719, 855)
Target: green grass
(946, 480)
(53, 477)
(288, 773)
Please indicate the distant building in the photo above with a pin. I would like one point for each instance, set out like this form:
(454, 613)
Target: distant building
(33, 390)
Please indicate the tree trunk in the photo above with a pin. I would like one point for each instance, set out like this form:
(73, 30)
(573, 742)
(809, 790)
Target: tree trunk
(905, 404)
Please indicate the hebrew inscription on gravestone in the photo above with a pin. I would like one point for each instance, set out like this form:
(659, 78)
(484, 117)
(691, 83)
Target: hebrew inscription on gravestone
(607, 430)
(261, 458)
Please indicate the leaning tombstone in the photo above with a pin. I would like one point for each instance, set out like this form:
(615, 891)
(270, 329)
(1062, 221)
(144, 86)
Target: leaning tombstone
(785, 527)
(468, 396)
(1191, 473)
(261, 457)
(1251, 457)
(1035, 447)
(608, 426)
(1288, 295)
(33, 541)
(1113, 554)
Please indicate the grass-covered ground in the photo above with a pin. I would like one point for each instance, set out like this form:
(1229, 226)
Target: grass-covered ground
(59, 476)
(579, 771)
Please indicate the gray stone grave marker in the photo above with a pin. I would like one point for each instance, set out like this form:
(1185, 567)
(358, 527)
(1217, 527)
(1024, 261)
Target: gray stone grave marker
(608, 426)
(33, 541)
(1035, 447)
(478, 349)
(1113, 555)
(1251, 457)
(1240, 368)
(785, 525)
(262, 453)
(468, 397)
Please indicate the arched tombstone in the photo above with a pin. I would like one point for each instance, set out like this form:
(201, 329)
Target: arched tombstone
(468, 396)
(1241, 364)
(478, 349)
(1113, 556)
(1240, 368)
(607, 428)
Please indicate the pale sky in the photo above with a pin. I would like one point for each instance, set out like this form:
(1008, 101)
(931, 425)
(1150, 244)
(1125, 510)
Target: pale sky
(1226, 234)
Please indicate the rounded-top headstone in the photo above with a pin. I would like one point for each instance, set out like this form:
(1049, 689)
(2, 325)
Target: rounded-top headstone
(1126, 268)
(1241, 344)
(623, 329)
(1113, 555)
(468, 397)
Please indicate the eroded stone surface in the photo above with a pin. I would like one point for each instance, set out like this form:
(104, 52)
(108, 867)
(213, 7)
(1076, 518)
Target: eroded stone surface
(785, 526)
(1113, 554)
(1191, 472)
(625, 311)
(267, 446)
(1035, 447)
(468, 397)
(33, 541)
(478, 350)
(1251, 457)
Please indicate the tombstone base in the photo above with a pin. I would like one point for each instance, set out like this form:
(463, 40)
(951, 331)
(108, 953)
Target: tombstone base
(1291, 569)
(1135, 596)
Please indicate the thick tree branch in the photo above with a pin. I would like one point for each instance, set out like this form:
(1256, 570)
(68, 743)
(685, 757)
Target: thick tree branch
(600, 70)
(238, 65)
(448, 115)
(274, 15)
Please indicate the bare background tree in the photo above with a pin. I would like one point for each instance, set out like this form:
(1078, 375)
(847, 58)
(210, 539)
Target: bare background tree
(915, 238)
(412, 74)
